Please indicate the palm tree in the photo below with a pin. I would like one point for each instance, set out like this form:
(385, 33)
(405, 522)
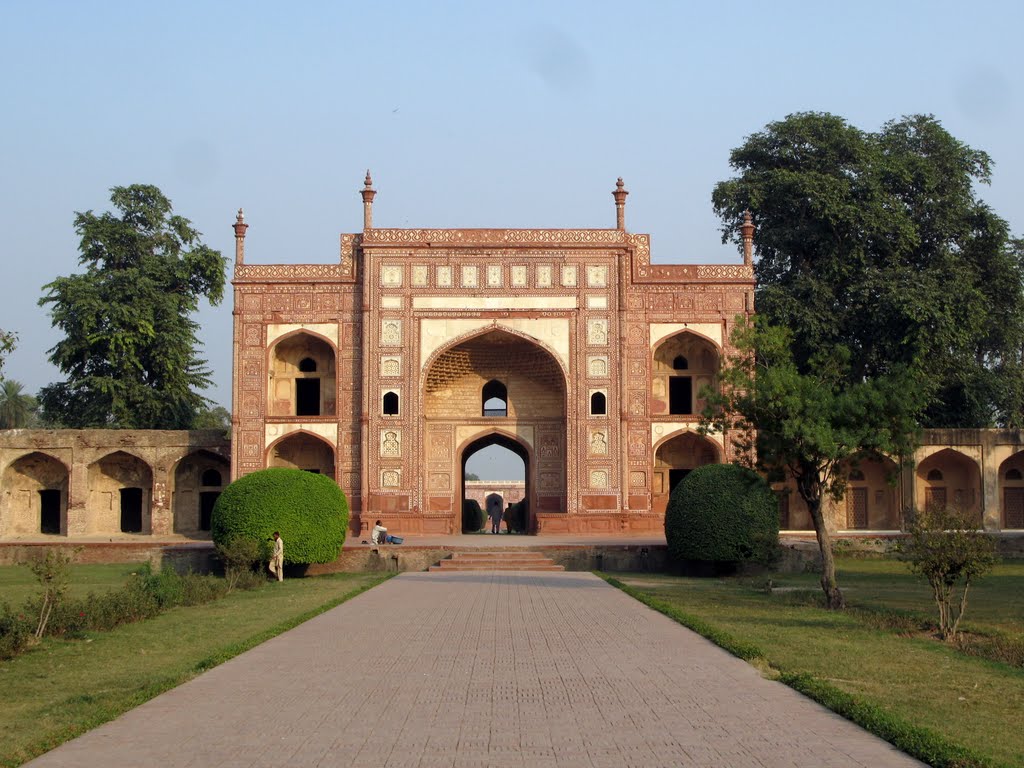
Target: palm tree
(17, 409)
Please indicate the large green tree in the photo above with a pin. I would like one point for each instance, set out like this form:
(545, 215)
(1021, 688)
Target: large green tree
(129, 351)
(876, 243)
(814, 422)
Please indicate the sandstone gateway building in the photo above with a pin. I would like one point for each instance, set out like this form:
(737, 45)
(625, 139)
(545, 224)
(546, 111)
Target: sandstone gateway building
(388, 369)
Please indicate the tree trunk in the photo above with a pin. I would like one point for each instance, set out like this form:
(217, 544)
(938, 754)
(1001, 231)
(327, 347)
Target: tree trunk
(810, 487)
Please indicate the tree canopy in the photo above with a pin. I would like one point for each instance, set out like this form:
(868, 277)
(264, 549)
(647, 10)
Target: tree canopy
(876, 244)
(816, 424)
(7, 343)
(129, 351)
(17, 408)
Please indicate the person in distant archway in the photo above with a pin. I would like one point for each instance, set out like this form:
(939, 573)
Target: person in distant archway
(494, 513)
(277, 557)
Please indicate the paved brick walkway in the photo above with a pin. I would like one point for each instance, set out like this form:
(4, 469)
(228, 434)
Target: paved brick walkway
(488, 669)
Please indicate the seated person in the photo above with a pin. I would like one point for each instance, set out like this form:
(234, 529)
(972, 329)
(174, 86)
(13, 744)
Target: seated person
(379, 535)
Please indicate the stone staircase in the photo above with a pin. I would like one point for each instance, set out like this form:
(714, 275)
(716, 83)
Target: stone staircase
(497, 561)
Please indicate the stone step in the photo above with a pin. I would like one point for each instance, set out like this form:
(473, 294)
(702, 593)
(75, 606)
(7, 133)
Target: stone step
(497, 561)
(525, 557)
(448, 566)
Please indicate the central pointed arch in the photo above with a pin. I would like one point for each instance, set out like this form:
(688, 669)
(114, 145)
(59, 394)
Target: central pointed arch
(524, 523)
(492, 382)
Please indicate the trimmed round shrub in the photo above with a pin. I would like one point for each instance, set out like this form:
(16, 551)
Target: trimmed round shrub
(722, 513)
(309, 510)
(473, 516)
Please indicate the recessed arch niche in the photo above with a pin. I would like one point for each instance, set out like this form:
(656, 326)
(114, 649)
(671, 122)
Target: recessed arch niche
(683, 364)
(35, 496)
(302, 377)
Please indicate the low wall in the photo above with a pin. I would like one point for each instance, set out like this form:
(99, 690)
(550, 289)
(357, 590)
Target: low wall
(581, 557)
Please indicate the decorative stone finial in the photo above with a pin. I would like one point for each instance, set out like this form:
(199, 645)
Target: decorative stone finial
(240, 226)
(747, 228)
(368, 193)
(620, 204)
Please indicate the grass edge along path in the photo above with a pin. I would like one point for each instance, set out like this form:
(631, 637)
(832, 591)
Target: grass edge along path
(920, 743)
(106, 714)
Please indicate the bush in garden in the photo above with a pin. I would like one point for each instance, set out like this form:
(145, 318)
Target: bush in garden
(243, 562)
(945, 546)
(722, 513)
(309, 510)
(473, 516)
(15, 632)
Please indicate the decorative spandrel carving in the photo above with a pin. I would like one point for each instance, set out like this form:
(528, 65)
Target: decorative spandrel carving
(549, 447)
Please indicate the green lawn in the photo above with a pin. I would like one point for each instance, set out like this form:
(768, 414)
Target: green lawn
(18, 583)
(970, 701)
(64, 687)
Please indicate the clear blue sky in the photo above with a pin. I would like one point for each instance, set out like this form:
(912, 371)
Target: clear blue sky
(514, 114)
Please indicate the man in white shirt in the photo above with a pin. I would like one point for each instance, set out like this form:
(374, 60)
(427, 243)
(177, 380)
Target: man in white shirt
(277, 558)
(379, 534)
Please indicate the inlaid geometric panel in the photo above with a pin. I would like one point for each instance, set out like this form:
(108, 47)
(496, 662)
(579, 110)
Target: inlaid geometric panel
(597, 332)
(391, 276)
(391, 366)
(420, 275)
(390, 478)
(494, 276)
(597, 367)
(544, 276)
(598, 442)
(391, 442)
(444, 277)
(569, 278)
(390, 333)
(519, 276)
(469, 276)
(598, 478)
(597, 276)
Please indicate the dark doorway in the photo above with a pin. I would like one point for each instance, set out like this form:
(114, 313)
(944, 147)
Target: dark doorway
(675, 477)
(131, 510)
(49, 511)
(307, 397)
(680, 395)
(206, 501)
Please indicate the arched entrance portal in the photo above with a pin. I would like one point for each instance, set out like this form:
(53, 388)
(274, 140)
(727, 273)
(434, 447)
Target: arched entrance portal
(497, 387)
(503, 486)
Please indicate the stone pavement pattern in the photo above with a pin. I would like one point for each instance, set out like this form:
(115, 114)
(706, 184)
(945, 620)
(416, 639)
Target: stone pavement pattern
(481, 669)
